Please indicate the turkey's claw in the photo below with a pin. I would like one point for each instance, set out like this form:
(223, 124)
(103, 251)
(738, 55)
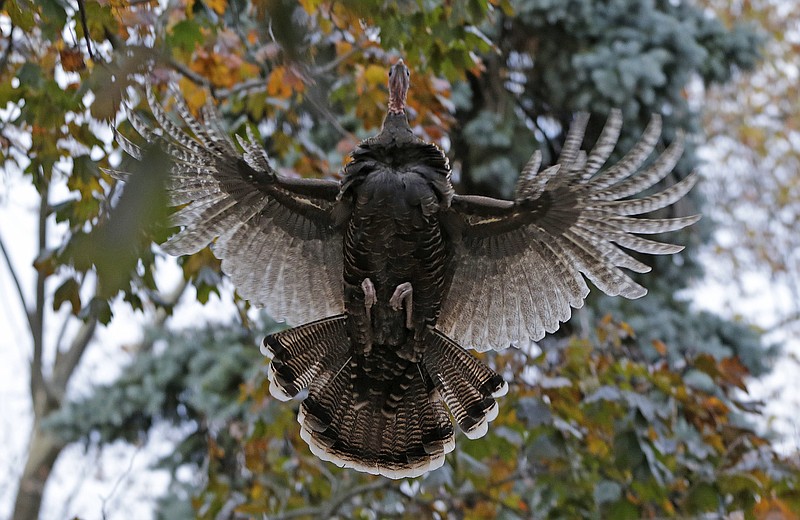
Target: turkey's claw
(403, 292)
(369, 295)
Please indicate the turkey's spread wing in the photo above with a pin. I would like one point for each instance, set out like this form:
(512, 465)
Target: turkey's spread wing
(520, 265)
(275, 235)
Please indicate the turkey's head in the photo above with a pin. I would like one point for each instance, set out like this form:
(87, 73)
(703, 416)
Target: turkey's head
(399, 80)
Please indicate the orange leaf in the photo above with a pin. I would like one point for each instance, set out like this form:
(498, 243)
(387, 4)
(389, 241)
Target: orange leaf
(283, 83)
(72, 60)
(773, 509)
(733, 372)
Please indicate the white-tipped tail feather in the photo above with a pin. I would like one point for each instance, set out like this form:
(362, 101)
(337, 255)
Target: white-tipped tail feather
(392, 424)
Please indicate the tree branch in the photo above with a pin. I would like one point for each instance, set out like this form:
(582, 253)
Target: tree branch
(9, 48)
(39, 392)
(251, 84)
(255, 83)
(191, 75)
(66, 362)
(336, 502)
(322, 69)
(85, 25)
(17, 284)
(216, 93)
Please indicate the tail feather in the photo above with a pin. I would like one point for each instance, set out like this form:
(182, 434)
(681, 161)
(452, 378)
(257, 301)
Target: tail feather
(301, 354)
(467, 385)
(393, 423)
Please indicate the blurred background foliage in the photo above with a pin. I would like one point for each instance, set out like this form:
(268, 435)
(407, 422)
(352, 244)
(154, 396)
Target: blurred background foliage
(633, 410)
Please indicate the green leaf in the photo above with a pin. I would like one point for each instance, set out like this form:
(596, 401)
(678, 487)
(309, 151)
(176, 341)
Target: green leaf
(53, 18)
(628, 452)
(184, 35)
(30, 76)
(623, 510)
(114, 246)
(703, 497)
(99, 308)
(21, 13)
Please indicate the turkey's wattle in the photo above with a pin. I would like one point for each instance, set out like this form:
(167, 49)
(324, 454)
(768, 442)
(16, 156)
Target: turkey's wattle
(391, 272)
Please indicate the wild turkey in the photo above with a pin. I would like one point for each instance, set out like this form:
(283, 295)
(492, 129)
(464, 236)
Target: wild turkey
(391, 272)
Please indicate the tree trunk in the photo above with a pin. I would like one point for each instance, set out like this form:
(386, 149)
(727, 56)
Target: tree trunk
(43, 451)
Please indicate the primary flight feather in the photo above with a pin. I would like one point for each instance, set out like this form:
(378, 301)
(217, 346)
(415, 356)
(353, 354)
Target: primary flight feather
(391, 272)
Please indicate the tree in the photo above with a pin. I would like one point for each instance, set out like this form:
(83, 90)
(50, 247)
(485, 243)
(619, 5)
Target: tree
(623, 414)
(755, 145)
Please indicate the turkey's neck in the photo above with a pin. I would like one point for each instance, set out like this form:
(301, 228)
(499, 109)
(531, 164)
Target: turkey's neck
(398, 90)
(396, 128)
(397, 105)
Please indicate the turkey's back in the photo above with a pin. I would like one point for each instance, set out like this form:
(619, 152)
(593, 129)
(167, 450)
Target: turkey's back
(394, 236)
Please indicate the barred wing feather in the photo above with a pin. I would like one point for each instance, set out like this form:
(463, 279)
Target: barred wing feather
(275, 235)
(521, 266)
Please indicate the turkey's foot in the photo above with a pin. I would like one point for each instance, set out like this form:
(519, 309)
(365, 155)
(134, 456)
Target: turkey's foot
(369, 296)
(369, 300)
(403, 294)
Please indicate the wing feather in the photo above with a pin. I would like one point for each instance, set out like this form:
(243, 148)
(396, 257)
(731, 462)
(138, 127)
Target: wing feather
(276, 236)
(523, 265)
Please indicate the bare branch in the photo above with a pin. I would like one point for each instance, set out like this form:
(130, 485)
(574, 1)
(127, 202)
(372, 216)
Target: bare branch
(85, 25)
(125, 475)
(322, 69)
(217, 93)
(191, 75)
(336, 502)
(251, 84)
(17, 284)
(325, 113)
(67, 361)
(39, 391)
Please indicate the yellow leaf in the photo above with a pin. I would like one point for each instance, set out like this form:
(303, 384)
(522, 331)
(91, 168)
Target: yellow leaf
(375, 75)
(310, 6)
(194, 96)
(596, 446)
(188, 7)
(217, 5)
(283, 82)
(628, 329)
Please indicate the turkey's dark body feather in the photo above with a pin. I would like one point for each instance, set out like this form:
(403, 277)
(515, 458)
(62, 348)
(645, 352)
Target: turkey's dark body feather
(394, 236)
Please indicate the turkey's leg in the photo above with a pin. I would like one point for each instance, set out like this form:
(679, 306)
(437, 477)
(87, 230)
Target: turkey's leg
(403, 293)
(369, 300)
(369, 296)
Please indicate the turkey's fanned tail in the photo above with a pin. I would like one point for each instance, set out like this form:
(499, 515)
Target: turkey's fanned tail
(396, 426)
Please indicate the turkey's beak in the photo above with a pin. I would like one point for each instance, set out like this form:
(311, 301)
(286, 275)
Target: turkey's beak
(399, 81)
